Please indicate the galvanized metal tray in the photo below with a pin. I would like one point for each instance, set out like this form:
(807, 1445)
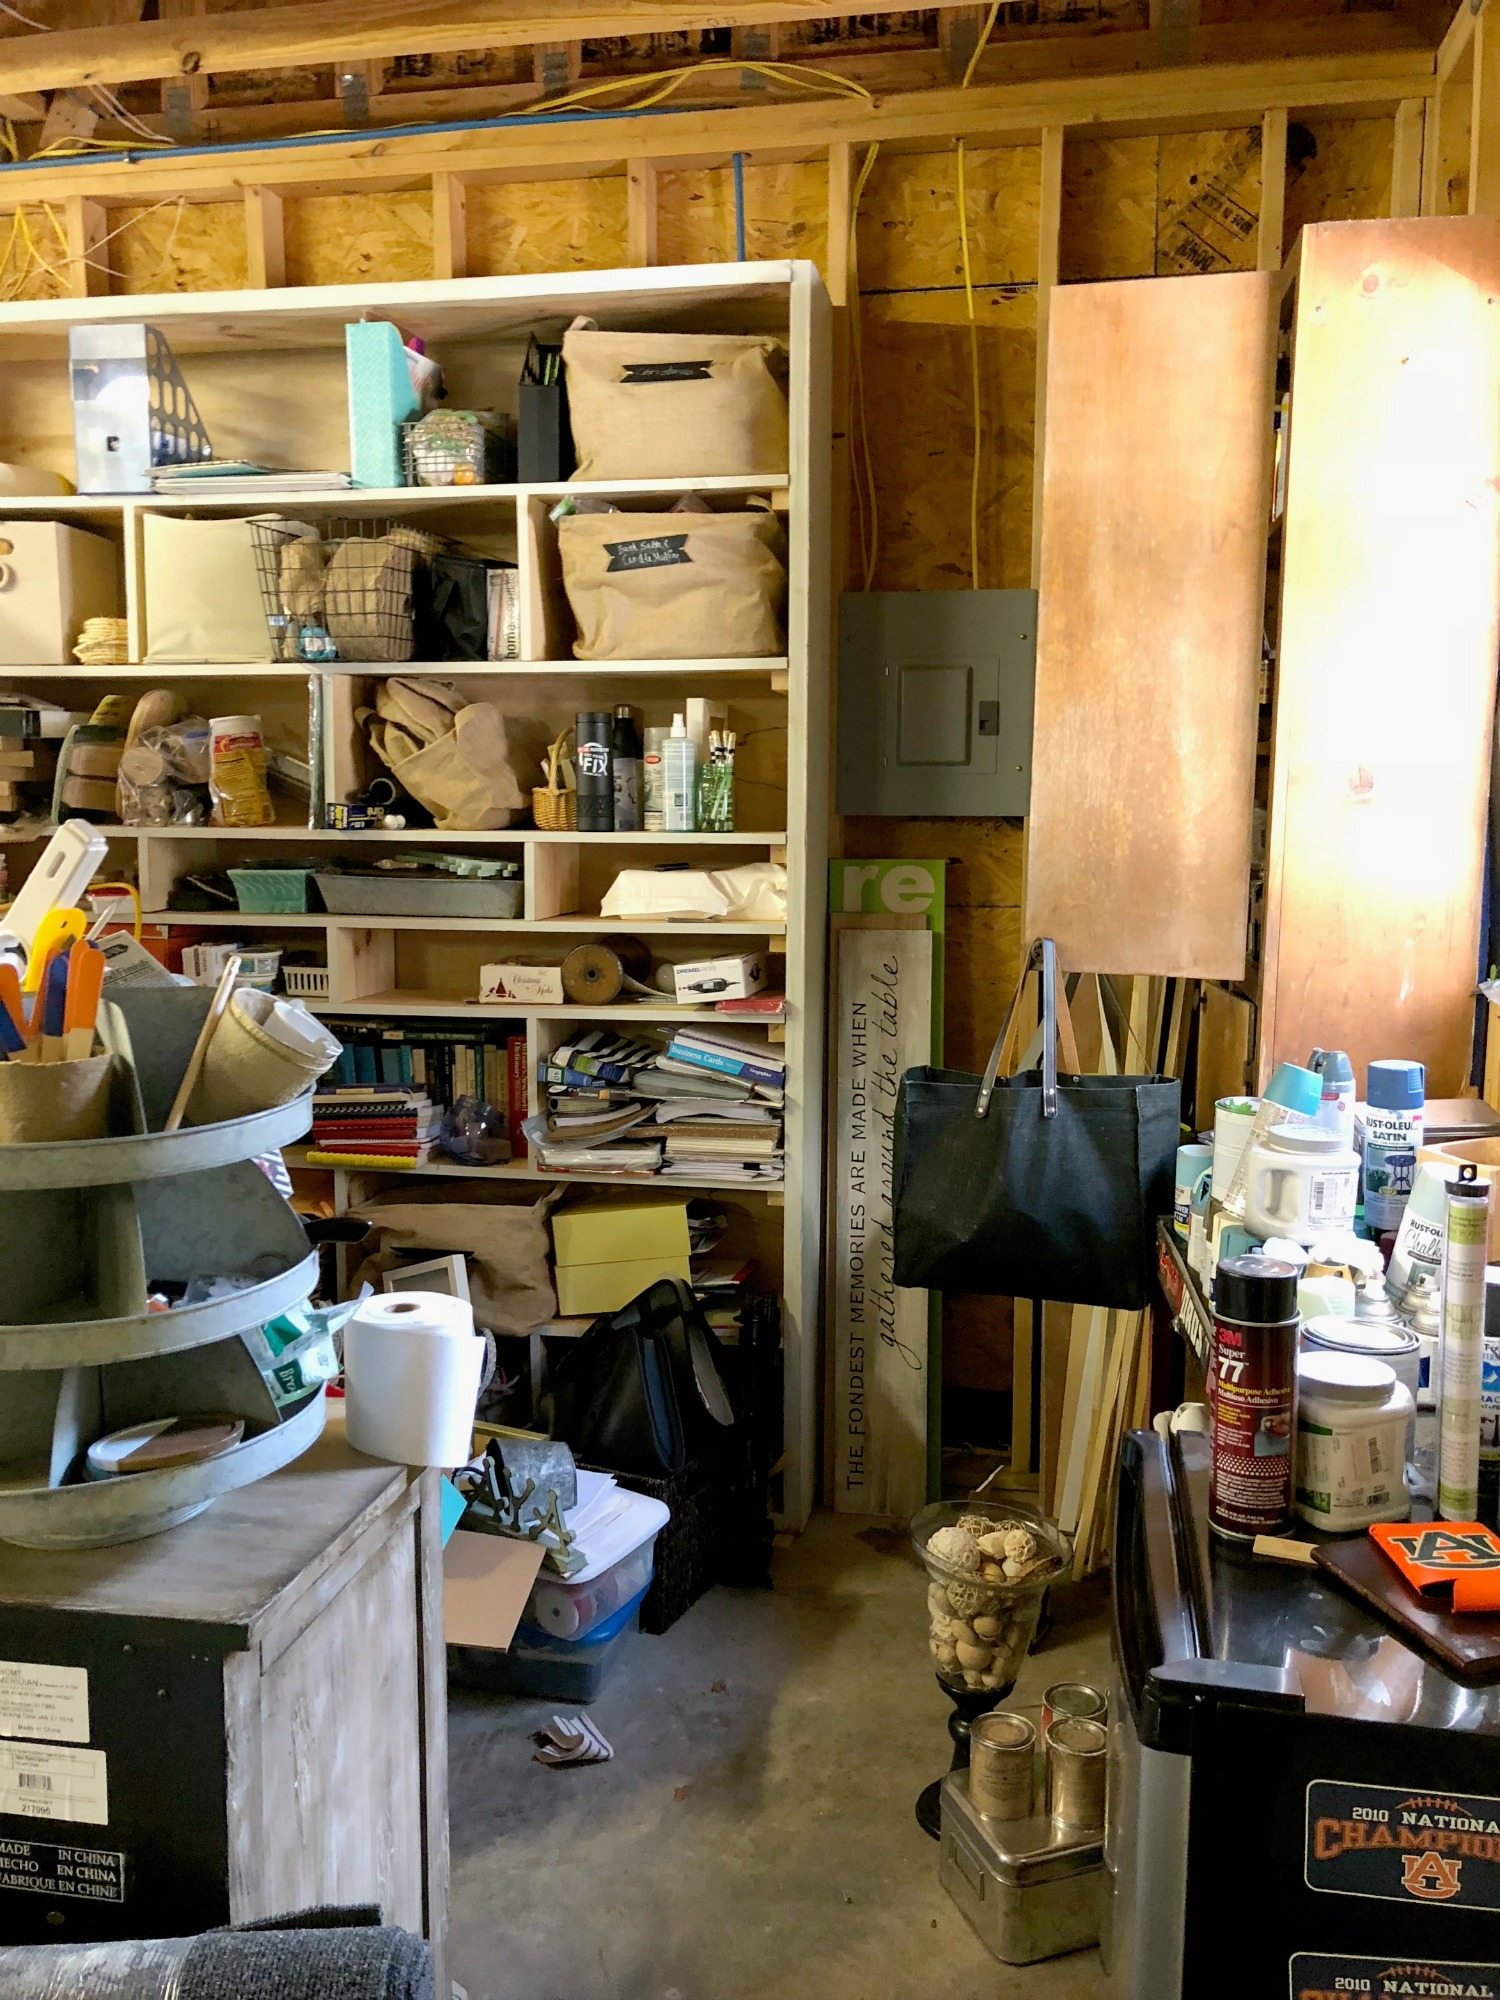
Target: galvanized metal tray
(103, 1512)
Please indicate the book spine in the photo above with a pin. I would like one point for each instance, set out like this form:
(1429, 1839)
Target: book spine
(517, 1093)
(742, 1067)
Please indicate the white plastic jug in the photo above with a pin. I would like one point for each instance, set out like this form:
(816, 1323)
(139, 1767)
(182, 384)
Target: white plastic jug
(1302, 1181)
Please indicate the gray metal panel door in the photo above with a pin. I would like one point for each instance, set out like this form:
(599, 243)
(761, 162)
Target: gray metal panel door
(935, 702)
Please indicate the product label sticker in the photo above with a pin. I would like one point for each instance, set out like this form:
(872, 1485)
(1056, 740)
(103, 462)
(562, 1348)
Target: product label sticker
(650, 552)
(93, 1874)
(1317, 1976)
(42, 1783)
(1403, 1847)
(44, 1704)
(667, 371)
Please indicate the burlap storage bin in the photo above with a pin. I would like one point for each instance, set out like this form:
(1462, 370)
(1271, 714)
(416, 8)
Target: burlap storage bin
(675, 405)
(42, 1101)
(682, 586)
(507, 1243)
(245, 1069)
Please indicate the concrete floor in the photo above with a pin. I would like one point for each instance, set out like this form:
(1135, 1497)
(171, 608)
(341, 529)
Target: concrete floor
(753, 1838)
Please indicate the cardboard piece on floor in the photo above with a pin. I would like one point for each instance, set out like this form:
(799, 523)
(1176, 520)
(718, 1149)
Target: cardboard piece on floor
(486, 1582)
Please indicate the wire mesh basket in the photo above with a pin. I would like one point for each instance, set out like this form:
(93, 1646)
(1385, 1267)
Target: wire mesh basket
(459, 448)
(345, 590)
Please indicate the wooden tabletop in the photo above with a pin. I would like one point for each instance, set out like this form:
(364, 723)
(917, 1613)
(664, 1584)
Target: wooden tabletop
(229, 1570)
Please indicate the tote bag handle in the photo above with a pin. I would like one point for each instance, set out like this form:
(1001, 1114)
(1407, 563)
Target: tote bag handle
(1057, 1026)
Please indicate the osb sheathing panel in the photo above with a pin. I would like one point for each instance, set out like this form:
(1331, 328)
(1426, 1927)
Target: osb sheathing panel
(908, 219)
(1160, 207)
(521, 226)
(183, 247)
(358, 239)
(786, 213)
(1348, 180)
(916, 367)
(32, 255)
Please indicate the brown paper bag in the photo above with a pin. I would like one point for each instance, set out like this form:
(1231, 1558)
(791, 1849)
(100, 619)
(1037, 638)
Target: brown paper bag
(507, 1243)
(675, 405)
(467, 762)
(680, 586)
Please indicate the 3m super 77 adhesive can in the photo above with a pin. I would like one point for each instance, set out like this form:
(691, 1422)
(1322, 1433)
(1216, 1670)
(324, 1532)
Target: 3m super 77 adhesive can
(1252, 1395)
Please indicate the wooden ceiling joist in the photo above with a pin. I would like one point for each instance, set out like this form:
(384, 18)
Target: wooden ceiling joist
(355, 30)
(1200, 97)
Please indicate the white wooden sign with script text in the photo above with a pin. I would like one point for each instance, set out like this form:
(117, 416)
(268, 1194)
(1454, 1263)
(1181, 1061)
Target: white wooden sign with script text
(882, 1026)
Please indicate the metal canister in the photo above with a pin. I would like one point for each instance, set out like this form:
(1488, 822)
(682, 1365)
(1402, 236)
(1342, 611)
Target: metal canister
(1076, 1767)
(1001, 1777)
(1252, 1397)
(1072, 1698)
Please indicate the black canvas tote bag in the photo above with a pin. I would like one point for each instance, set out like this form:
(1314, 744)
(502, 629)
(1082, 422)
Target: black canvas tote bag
(1036, 1186)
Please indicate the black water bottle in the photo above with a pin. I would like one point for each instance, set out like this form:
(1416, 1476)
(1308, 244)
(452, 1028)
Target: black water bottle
(625, 761)
(596, 791)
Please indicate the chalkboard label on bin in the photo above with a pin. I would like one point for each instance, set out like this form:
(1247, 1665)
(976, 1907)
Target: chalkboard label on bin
(667, 371)
(92, 1874)
(1439, 1848)
(650, 552)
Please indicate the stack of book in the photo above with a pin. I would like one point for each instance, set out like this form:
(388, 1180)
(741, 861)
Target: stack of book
(705, 1107)
(445, 1061)
(383, 1125)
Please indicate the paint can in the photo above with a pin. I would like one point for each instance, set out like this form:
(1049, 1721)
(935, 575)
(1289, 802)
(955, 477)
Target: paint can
(1076, 1768)
(1001, 1775)
(1252, 1397)
(1074, 1699)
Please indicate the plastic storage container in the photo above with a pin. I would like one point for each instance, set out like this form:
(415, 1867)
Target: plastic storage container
(564, 1669)
(269, 892)
(1352, 1419)
(620, 1573)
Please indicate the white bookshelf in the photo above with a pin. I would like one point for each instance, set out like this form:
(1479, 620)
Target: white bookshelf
(266, 370)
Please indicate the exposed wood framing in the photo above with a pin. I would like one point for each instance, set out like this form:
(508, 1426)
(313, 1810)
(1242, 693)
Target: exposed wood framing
(87, 267)
(450, 226)
(347, 31)
(265, 242)
(1406, 158)
(1455, 43)
(1484, 131)
(641, 211)
(1272, 190)
(1049, 253)
(1196, 98)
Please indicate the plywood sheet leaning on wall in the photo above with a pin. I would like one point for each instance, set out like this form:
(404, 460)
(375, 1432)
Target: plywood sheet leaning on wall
(1385, 685)
(1155, 501)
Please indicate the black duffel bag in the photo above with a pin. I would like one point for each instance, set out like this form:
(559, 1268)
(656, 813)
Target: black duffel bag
(1033, 1186)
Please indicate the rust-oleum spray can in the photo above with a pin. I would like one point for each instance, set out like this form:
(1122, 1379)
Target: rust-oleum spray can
(1252, 1395)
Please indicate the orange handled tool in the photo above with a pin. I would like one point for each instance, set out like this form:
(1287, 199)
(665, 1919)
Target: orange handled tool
(81, 1009)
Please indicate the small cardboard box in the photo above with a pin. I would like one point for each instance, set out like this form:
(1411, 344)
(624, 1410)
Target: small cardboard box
(607, 1252)
(733, 978)
(527, 980)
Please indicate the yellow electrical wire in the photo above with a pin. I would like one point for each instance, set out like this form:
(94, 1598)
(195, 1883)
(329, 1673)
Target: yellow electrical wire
(978, 443)
(979, 47)
(963, 241)
(861, 462)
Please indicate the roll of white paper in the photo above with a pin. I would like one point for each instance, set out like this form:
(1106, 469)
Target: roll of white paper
(412, 1363)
